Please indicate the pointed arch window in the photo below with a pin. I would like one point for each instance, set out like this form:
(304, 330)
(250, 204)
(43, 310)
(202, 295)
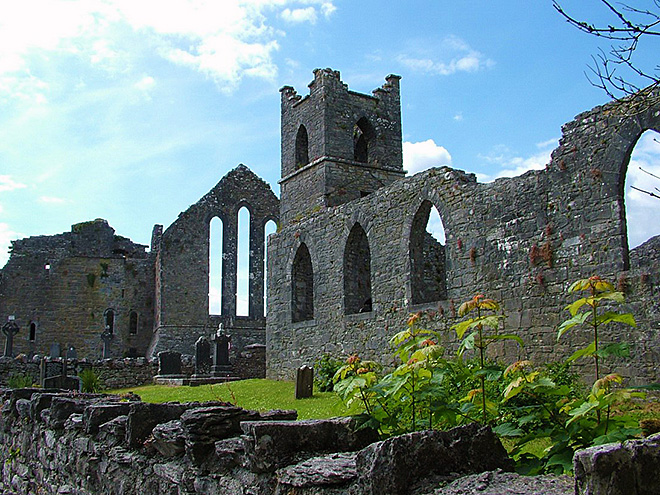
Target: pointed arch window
(109, 320)
(302, 147)
(427, 256)
(243, 263)
(641, 183)
(215, 266)
(133, 323)
(357, 272)
(269, 228)
(363, 134)
(302, 286)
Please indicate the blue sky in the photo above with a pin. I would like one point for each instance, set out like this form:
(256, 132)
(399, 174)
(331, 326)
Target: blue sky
(132, 110)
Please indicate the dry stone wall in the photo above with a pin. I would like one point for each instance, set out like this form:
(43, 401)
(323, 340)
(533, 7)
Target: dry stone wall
(57, 443)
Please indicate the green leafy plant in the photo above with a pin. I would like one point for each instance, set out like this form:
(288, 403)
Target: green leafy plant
(477, 333)
(324, 371)
(406, 395)
(554, 410)
(19, 380)
(91, 381)
(592, 311)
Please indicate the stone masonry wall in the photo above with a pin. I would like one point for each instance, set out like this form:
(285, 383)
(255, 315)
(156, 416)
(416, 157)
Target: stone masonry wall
(64, 284)
(521, 240)
(80, 444)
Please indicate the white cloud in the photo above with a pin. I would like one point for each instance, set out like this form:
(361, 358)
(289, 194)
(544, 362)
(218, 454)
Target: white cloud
(641, 208)
(226, 40)
(299, 15)
(6, 236)
(52, 200)
(146, 83)
(327, 9)
(452, 55)
(512, 165)
(9, 184)
(423, 155)
(458, 117)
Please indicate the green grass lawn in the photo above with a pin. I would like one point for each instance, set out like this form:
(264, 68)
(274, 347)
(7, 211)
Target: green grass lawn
(260, 395)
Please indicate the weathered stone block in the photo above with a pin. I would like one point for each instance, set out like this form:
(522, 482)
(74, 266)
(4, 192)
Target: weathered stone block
(169, 438)
(143, 417)
(390, 467)
(628, 468)
(272, 445)
(96, 414)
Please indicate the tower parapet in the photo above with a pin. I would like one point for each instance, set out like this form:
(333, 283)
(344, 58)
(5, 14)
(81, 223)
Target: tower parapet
(338, 145)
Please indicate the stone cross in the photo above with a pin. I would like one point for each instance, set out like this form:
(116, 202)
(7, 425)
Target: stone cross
(106, 337)
(10, 329)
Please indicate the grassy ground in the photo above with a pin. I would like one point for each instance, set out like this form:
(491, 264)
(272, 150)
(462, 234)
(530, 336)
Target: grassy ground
(260, 395)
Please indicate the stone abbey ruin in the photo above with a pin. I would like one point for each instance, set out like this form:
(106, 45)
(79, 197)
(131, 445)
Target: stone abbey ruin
(351, 258)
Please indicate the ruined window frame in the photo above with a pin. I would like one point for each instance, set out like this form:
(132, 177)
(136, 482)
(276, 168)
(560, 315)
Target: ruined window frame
(302, 297)
(358, 291)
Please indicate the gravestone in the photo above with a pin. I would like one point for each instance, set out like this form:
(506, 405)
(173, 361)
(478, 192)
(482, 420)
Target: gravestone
(54, 351)
(71, 353)
(304, 382)
(10, 329)
(221, 364)
(169, 363)
(203, 359)
(106, 338)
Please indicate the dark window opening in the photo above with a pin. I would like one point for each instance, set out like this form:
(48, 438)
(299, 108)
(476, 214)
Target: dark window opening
(357, 272)
(427, 256)
(302, 147)
(33, 331)
(302, 278)
(133, 323)
(363, 134)
(109, 320)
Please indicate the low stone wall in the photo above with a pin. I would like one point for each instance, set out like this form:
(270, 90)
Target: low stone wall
(59, 443)
(113, 373)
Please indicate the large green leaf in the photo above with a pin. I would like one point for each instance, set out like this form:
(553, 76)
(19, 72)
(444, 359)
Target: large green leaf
(462, 327)
(619, 349)
(585, 351)
(576, 305)
(610, 316)
(508, 430)
(612, 296)
(578, 319)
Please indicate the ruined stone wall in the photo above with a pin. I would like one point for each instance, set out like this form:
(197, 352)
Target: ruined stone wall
(183, 266)
(521, 241)
(64, 284)
(55, 443)
(333, 117)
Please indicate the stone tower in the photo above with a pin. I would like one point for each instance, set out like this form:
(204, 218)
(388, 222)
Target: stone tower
(337, 145)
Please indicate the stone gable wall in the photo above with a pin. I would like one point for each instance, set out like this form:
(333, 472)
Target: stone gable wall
(183, 266)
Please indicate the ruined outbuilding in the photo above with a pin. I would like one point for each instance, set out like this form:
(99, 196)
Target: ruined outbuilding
(352, 258)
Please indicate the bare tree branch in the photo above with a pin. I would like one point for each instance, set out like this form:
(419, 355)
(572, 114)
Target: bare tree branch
(616, 72)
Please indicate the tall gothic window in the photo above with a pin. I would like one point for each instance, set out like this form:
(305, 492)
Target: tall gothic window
(302, 147)
(302, 286)
(357, 272)
(215, 266)
(427, 256)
